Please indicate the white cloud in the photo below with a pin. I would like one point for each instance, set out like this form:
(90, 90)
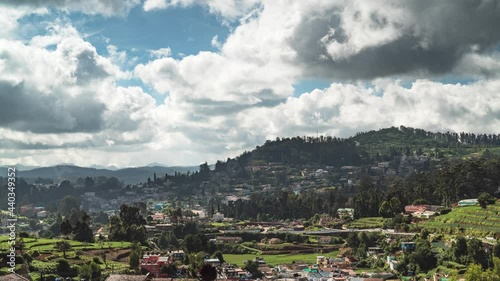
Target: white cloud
(344, 109)
(116, 56)
(215, 42)
(227, 8)
(161, 53)
(92, 7)
(150, 5)
(65, 100)
(56, 32)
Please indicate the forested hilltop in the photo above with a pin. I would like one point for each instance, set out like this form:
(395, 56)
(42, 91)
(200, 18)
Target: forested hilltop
(383, 144)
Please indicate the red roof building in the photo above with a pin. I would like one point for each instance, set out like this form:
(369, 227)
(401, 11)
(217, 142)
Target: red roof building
(153, 264)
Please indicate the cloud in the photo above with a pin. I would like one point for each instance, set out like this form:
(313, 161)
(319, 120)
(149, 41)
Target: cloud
(41, 113)
(67, 96)
(93, 7)
(212, 76)
(161, 53)
(344, 109)
(229, 9)
(215, 42)
(360, 40)
(150, 5)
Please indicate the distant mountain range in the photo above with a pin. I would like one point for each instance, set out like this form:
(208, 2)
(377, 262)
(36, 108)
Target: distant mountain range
(69, 171)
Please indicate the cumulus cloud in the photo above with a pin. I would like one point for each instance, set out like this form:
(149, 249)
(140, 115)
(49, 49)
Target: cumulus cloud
(230, 9)
(344, 109)
(150, 5)
(357, 39)
(66, 98)
(160, 53)
(93, 7)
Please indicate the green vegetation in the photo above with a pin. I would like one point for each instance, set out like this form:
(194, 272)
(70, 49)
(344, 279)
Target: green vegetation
(47, 244)
(277, 259)
(472, 220)
(370, 222)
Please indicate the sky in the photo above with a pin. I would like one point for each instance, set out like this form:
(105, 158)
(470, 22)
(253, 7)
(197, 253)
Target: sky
(181, 82)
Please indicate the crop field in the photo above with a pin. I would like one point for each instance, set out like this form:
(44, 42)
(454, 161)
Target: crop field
(45, 244)
(470, 219)
(371, 222)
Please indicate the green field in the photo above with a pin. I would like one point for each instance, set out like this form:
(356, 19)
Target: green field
(45, 244)
(471, 220)
(371, 222)
(239, 259)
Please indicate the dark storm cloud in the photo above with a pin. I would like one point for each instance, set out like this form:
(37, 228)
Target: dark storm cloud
(22, 110)
(433, 39)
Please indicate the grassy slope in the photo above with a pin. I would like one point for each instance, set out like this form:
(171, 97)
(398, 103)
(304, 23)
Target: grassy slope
(473, 220)
(44, 245)
(371, 222)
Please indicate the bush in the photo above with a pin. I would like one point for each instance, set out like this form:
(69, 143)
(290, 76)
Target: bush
(35, 254)
(97, 260)
(27, 257)
(63, 267)
(445, 211)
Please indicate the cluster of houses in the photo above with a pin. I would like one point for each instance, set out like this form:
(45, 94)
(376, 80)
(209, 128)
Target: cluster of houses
(325, 269)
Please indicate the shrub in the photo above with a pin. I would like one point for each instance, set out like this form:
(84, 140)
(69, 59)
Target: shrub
(63, 267)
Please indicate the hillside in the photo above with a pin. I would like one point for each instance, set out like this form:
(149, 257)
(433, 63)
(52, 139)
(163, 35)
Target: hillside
(364, 146)
(127, 175)
(472, 220)
(404, 136)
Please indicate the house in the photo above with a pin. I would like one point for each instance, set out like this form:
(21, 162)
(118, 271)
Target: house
(218, 217)
(346, 213)
(153, 264)
(123, 277)
(324, 240)
(467, 202)
(27, 211)
(321, 260)
(374, 251)
(411, 209)
(424, 214)
(177, 255)
(41, 214)
(298, 227)
(408, 246)
(200, 213)
(212, 262)
(158, 216)
(228, 239)
(392, 262)
(164, 226)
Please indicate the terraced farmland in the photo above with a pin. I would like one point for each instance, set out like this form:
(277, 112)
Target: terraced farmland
(371, 222)
(470, 220)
